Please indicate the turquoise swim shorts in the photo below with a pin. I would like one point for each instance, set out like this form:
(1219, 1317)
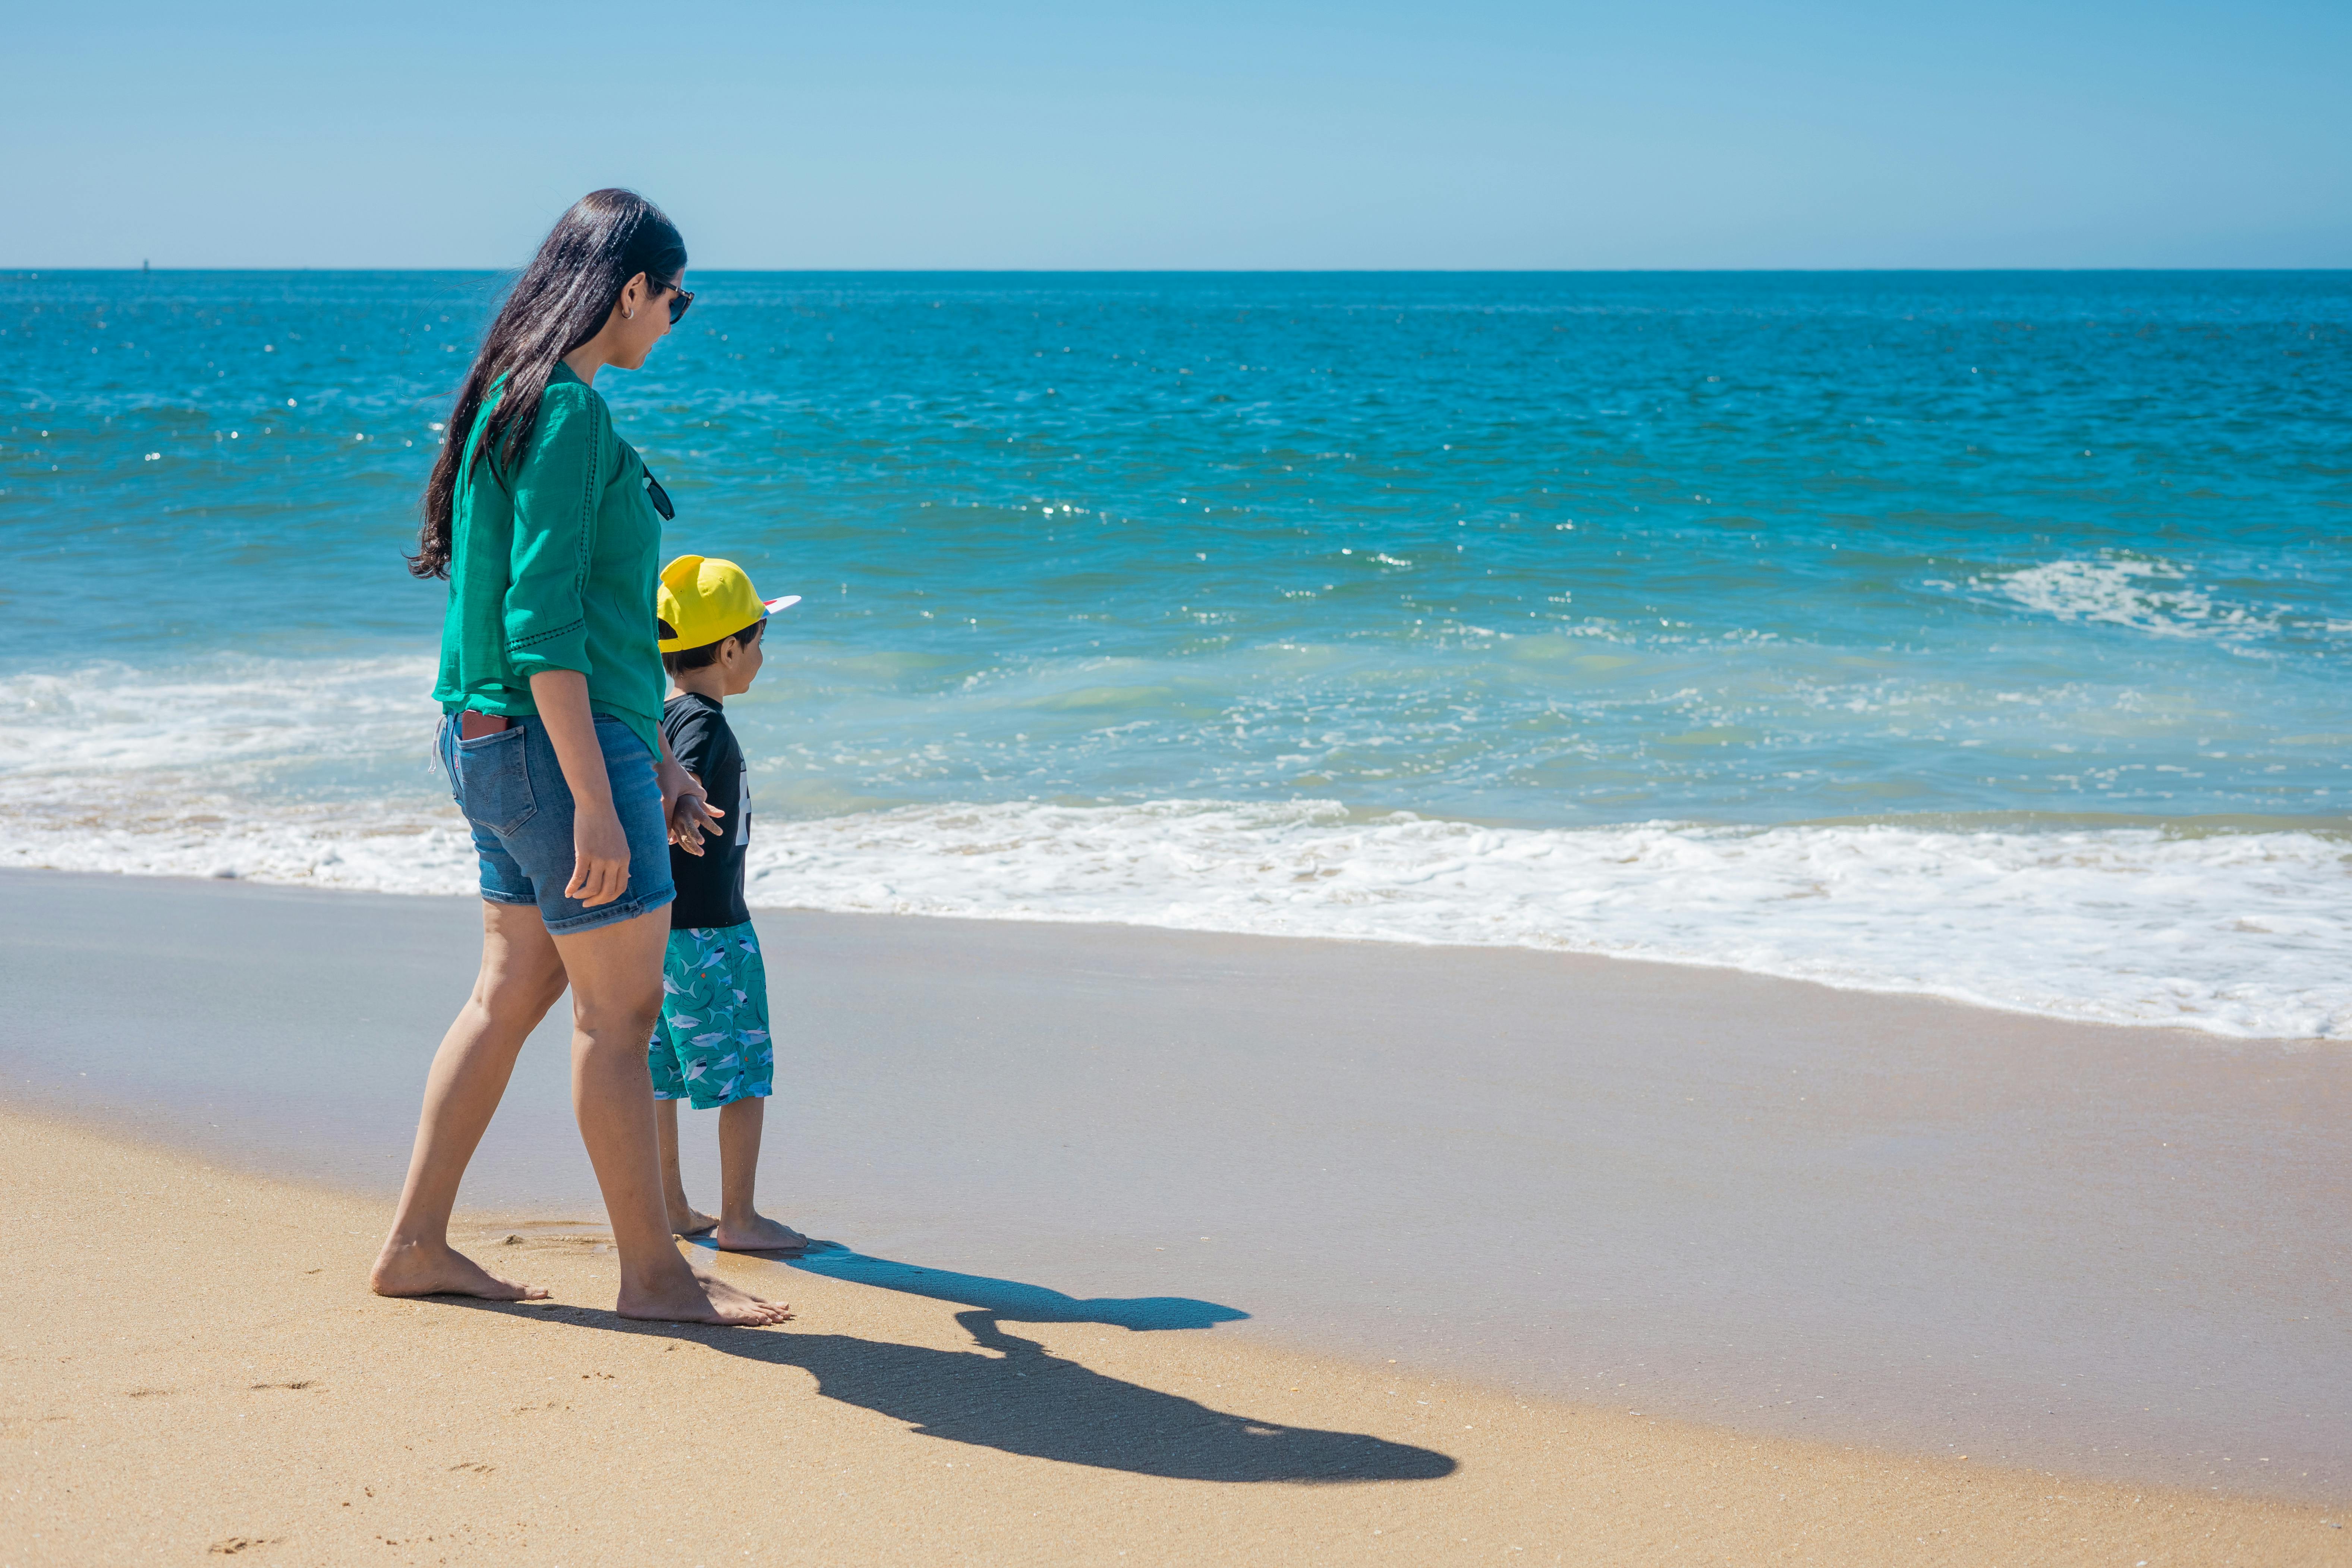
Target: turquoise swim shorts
(711, 1046)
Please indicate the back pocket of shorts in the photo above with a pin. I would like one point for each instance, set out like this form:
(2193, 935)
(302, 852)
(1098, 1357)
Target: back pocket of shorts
(494, 782)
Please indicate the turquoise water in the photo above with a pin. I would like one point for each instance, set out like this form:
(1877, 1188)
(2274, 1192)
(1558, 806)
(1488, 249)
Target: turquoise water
(1920, 559)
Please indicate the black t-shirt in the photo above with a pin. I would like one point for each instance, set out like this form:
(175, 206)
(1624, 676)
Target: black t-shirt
(710, 885)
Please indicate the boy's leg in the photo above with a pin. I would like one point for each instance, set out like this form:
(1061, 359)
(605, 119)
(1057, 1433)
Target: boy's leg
(740, 1124)
(664, 1063)
(685, 1219)
(742, 1226)
(742, 1068)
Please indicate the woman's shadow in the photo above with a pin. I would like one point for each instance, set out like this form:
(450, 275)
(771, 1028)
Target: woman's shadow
(1010, 1396)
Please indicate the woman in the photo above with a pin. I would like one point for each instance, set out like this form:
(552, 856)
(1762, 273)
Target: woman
(550, 689)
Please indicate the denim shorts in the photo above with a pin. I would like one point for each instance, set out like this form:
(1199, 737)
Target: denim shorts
(512, 789)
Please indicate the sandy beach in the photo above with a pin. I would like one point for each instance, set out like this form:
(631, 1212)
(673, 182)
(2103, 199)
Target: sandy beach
(194, 1372)
(1156, 1244)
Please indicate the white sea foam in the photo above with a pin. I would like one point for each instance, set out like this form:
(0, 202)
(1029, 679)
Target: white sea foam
(221, 716)
(2152, 597)
(317, 775)
(2235, 935)
(307, 771)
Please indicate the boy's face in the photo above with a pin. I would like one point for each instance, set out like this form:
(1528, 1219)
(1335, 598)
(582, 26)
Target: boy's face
(741, 661)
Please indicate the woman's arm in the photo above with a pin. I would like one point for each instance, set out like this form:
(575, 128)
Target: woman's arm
(545, 613)
(546, 624)
(600, 850)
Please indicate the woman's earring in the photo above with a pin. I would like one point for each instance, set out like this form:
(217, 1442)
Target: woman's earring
(628, 315)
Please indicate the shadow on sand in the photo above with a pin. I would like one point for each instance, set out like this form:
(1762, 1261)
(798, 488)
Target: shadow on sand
(1010, 1396)
(1009, 1301)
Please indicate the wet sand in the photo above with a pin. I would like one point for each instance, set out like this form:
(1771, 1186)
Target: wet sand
(1762, 1206)
(192, 1372)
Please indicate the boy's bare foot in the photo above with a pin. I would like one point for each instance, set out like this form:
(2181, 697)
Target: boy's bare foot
(701, 1297)
(417, 1269)
(762, 1235)
(685, 1219)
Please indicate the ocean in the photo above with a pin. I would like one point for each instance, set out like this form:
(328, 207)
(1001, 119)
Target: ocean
(1978, 635)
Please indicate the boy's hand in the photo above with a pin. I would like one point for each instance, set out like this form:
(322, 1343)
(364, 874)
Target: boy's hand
(687, 811)
(694, 817)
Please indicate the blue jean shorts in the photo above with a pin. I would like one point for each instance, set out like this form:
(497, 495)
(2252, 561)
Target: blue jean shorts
(512, 789)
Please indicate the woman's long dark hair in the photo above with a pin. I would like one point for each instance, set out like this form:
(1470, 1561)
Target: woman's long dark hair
(562, 300)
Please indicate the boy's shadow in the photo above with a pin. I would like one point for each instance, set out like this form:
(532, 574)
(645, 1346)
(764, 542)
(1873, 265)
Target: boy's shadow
(1010, 1396)
(1009, 1301)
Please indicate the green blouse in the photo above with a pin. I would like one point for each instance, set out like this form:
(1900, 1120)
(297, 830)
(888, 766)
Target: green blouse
(554, 566)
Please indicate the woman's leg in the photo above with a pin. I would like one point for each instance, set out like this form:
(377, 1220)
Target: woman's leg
(521, 977)
(615, 997)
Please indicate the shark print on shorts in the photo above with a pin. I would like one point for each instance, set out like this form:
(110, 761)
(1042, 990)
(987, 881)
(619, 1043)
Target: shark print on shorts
(711, 1046)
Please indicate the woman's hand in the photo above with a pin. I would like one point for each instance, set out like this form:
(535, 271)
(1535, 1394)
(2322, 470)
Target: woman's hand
(600, 849)
(600, 854)
(684, 807)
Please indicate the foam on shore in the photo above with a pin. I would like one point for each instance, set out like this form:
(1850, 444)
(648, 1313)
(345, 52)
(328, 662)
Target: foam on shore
(2234, 933)
(321, 774)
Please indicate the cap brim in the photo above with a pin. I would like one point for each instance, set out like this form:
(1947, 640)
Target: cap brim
(786, 603)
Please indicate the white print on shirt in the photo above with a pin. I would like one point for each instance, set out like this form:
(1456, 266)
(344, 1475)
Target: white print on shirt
(743, 804)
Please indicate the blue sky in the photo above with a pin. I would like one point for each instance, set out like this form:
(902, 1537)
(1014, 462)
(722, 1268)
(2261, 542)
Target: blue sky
(1474, 133)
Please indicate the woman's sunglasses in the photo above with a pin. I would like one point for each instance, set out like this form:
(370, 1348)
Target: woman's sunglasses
(679, 300)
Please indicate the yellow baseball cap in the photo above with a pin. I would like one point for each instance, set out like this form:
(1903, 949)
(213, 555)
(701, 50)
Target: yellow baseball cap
(702, 600)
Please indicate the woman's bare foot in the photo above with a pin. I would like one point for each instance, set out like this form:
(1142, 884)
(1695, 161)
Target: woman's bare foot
(420, 1268)
(762, 1234)
(700, 1298)
(685, 1219)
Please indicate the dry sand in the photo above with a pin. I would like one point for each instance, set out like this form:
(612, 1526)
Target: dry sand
(193, 1370)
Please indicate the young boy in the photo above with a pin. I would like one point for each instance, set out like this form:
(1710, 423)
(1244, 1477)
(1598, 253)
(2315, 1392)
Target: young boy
(712, 1046)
